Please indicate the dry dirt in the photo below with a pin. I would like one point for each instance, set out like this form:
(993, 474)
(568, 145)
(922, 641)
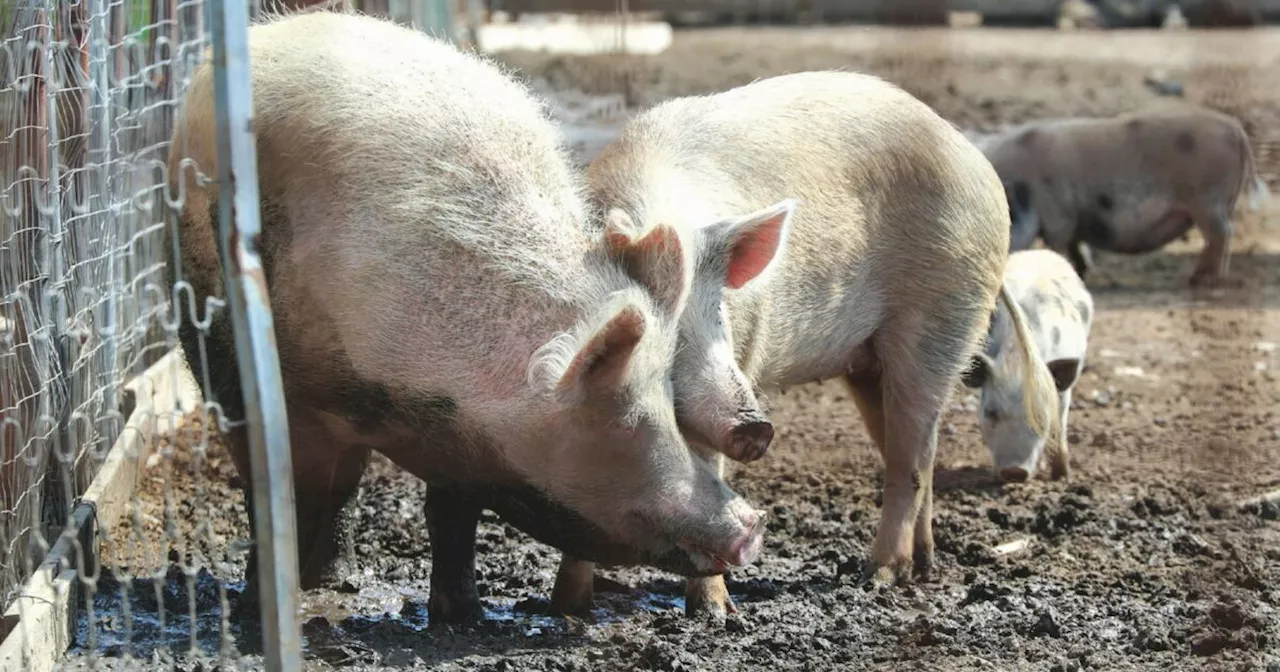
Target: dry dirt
(1141, 562)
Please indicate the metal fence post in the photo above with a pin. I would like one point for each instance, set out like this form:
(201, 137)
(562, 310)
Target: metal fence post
(239, 229)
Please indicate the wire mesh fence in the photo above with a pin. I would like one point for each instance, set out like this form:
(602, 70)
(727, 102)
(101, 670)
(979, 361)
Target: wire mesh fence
(108, 445)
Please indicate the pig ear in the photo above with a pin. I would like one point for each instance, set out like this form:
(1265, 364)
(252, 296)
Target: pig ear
(1064, 372)
(754, 242)
(978, 372)
(601, 364)
(657, 259)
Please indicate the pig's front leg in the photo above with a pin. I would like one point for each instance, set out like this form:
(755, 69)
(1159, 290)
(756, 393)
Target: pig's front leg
(709, 594)
(452, 518)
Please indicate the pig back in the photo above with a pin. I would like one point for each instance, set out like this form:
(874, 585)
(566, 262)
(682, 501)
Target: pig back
(421, 226)
(425, 193)
(885, 187)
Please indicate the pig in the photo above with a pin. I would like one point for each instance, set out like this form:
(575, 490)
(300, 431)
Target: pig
(438, 297)
(1131, 183)
(1059, 313)
(841, 228)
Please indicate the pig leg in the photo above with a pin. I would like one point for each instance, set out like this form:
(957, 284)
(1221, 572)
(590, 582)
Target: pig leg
(574, 589)
(1216, 257)
(869, 398)
(913, 392)
(325, 482)
(1080, 257)
(709, 595)
(1060, 457)
(576, 586)
(452, 519)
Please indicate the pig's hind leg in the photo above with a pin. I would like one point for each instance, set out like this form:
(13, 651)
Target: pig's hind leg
(921, 354)
(869, 398)
(326, 479)
(1215, 259)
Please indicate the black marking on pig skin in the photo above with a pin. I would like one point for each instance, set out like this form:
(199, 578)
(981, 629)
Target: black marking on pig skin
(276, 235)
(372, 406)
(219, 342)
(1033, 316)
(1094, 229)
(1185, 142)
(1055, 335)
(527, 509)
(1083, 309)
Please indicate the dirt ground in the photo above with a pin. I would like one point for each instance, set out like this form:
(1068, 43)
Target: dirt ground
(1142, 561)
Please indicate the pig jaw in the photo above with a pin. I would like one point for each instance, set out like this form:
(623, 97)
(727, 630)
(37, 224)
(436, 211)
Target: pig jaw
(551, 523)
(666, 536)
(616, 457)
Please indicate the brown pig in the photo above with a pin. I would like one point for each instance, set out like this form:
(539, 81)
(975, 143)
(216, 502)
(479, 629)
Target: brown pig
(438, 297)
(1129, 184)
(840, 228)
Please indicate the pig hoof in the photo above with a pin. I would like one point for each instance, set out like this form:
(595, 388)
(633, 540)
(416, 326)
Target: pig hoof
(343, 575)
(1014, 475)
(875, 575)
(922, 563)
(1205, 279)
(571, 603)
(709, 598)
(460, 609)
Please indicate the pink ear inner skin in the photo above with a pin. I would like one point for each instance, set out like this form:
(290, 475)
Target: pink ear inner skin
(753, 252)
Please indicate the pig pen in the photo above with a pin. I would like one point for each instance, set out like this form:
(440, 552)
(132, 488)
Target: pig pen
(1144, 560)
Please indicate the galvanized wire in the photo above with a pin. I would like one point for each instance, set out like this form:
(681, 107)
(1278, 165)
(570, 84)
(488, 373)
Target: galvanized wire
(89, 92)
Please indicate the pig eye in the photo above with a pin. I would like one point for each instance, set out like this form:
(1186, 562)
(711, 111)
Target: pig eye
(991, 414)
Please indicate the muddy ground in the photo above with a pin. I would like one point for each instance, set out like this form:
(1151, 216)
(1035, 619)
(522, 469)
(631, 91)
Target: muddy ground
(1142, 561)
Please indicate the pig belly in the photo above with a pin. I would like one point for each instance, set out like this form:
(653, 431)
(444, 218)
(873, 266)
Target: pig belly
(853, 360)
(1146, 231)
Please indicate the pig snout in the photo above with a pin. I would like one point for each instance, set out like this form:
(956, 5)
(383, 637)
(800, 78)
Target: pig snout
(736, 549)
(749, 440)
(732, 538)
(1016, 466)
